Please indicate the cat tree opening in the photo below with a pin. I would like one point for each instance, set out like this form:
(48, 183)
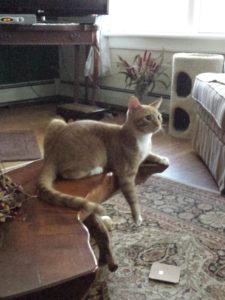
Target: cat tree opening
(184, 84)
(181, 119)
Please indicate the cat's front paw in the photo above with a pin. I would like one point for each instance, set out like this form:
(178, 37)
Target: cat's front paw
(164, 160)
(138, 220)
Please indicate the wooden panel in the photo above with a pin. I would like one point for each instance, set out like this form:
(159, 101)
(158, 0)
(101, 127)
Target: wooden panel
(54, 34)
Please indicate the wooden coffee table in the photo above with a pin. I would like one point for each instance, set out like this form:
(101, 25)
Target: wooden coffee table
(45, 251)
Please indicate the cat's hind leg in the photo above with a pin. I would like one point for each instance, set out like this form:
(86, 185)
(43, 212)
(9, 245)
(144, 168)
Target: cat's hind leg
(99, 231)
(108, 222)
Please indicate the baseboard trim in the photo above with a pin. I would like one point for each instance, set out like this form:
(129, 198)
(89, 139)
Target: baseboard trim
(26, 84)
(119, 90)
(43, 100)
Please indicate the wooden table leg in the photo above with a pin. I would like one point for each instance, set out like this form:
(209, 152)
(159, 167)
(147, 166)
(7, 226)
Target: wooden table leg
(76, 73)
(95, 71)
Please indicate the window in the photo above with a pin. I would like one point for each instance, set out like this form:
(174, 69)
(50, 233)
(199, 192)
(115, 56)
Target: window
(211, 17)
(167, 17)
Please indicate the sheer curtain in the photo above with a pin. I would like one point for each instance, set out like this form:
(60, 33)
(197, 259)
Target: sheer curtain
(101, 49)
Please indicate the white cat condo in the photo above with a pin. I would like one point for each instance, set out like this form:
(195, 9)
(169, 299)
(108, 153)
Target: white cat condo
(182, 106)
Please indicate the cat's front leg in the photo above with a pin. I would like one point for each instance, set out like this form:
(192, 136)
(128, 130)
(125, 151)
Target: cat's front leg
(128, 188)
(154, 158)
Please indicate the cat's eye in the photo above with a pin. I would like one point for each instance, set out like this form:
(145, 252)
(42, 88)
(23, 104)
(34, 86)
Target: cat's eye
(148, 117)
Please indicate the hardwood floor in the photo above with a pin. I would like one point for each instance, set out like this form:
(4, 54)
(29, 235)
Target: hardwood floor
(185, 165)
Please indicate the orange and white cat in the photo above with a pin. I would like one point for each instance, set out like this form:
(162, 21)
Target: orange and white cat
(86, 147)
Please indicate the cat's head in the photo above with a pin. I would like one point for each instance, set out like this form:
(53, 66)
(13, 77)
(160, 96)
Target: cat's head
(144, 118)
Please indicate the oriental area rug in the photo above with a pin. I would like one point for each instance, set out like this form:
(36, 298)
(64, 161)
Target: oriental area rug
(18, 146)
(183, 226)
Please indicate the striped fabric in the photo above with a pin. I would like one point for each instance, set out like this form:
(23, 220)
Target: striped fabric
(208, 138)
(209, 91)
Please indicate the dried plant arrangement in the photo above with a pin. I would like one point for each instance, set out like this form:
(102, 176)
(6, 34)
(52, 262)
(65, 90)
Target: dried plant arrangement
(144, 73)
(11, 197)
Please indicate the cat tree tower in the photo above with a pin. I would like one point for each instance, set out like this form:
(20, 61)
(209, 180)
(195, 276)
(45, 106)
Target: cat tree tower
(185, 67)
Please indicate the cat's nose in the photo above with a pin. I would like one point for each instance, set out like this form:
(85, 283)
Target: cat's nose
(156, 123)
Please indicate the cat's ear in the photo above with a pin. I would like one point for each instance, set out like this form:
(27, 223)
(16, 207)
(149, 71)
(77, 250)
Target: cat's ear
(133, 103)
(157, 103)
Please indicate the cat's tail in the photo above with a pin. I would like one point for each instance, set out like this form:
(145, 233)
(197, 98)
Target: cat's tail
(48, 193)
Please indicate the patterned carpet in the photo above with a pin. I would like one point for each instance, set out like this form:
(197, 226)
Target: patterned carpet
(183, 226)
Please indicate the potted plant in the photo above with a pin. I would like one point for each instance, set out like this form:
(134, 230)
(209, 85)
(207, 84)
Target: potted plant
(144, 72)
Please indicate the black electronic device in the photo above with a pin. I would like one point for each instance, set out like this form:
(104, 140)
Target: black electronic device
(54, 8)
(8, 19)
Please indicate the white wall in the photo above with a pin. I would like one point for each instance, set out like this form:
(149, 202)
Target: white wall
(117, 80)
(128, 47)
(112, 82)
(27, 90)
